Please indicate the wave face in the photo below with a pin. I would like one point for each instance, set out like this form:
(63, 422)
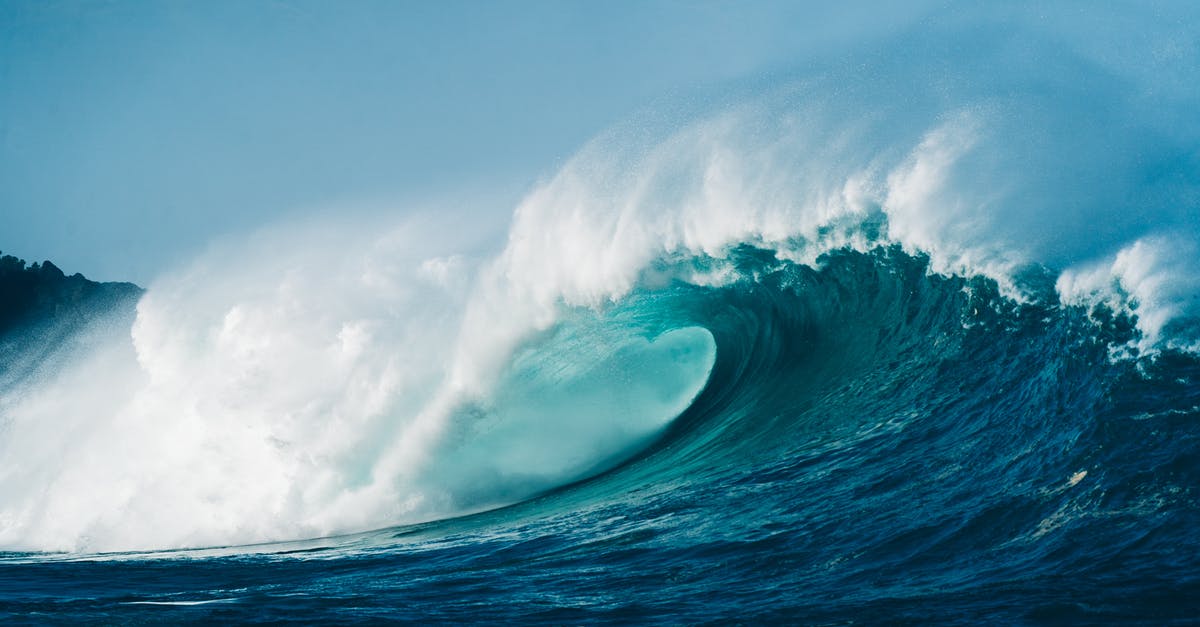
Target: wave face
(912, 334)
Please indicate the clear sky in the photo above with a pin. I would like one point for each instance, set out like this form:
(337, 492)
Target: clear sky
(131, 133)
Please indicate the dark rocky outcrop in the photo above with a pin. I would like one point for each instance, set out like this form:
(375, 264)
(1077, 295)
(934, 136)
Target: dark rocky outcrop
(40, 307)
(41, 292)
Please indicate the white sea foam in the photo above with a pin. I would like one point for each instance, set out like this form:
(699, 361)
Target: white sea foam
(304, 382)
(1156, 279)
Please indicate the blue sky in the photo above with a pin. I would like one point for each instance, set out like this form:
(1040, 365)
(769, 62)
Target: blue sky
(132, 133)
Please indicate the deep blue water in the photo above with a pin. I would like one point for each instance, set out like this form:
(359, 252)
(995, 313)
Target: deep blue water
(876, 444)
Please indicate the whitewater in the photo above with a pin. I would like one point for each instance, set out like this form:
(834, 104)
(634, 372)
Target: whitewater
(911, 333)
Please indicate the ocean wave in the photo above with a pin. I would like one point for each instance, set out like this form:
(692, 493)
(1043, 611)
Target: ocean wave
(1005, 233)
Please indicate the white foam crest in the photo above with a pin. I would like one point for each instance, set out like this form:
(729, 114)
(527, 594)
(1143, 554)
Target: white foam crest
(1027, 152)
(1155, 279)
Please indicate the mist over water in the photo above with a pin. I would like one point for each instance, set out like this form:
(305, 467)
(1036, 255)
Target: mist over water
(307, 381)
(844, 233)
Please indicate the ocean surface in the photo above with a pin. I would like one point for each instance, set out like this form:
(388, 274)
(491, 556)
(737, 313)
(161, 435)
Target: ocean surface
(910, 335)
